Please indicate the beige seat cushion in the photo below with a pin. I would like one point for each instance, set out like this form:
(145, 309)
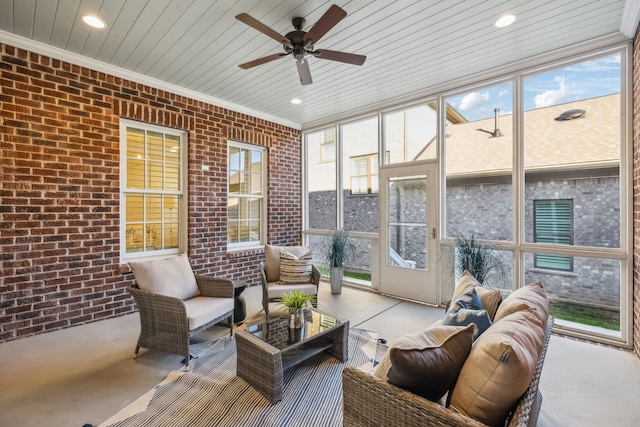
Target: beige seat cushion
(277, 290)
(272, 259)
(170, 276)
(202, 310)
(427, 363)
(490, 298)
(531, 296)
(499, 368)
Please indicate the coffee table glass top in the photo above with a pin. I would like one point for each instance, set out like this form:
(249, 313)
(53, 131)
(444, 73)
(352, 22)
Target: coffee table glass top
(277, 332)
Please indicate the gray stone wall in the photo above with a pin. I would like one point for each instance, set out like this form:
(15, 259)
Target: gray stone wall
(486, 210)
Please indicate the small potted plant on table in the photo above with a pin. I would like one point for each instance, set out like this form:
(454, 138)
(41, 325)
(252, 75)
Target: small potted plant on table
(295, 301)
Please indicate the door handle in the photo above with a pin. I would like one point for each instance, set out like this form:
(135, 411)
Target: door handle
(433, 233)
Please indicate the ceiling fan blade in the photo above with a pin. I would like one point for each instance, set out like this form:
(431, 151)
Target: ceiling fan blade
(326, 22)
(261, 61)
(254, 23)
(304, 72)
(334, 55)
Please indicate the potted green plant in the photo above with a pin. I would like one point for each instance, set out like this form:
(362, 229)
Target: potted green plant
(295, 301)
(481, 260)
(339, 249)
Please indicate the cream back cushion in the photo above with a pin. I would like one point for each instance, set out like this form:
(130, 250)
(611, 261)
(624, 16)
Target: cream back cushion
(531, 296)
(170, 276)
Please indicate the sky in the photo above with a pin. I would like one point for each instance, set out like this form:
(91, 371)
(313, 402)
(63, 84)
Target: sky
(575, 82)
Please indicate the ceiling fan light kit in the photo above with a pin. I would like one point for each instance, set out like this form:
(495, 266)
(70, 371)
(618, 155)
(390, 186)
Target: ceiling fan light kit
(300, 44)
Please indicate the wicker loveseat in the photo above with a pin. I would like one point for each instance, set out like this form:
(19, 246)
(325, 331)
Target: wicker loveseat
(175, 304)
(371, 400)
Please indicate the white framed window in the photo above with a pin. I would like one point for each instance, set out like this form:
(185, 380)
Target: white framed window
(553, 223)
(246, 190)
(153, 217)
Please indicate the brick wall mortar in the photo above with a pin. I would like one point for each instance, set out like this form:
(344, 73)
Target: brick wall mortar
(59, 189)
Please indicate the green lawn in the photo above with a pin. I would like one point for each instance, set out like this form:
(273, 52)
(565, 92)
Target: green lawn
(351, 274)
(585, 315)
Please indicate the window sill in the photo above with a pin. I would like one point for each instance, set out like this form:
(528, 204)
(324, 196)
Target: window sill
(245, 252)
(553, 272)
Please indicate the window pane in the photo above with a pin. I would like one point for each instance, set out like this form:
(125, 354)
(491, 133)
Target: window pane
(360, 142)
(245, 179)
(172, 149)
(410, 134)
(321, 180)
(154, 176)
(572, 150)
(135, 143)
(135, 173)
(170, 235)
(479, 163)
(587, 298)
(152, 221)
(155, 146)
(172, 177)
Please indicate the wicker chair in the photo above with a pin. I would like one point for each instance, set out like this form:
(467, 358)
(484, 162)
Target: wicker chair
(269, 277)
(368, 400)
(168, 322)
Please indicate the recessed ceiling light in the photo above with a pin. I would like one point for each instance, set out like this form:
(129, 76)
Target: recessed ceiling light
(296, 101)
(93, 21)
(505, 20)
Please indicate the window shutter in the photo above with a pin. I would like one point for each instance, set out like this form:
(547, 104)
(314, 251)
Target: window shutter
(553, 224)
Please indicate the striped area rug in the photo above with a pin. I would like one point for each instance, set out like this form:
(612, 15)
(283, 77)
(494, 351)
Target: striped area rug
(212, 394)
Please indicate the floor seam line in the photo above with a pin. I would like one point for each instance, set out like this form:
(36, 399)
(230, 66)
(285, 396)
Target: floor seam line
(378, 314)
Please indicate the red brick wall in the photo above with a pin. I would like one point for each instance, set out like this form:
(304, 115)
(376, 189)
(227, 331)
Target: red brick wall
(59, 189)
(636, 193)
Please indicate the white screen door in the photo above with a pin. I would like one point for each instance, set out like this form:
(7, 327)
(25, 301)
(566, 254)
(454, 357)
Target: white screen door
(408, 218)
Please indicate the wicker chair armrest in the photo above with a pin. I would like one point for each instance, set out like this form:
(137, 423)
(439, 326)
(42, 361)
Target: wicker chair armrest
(369, 400)
(315, 275)
(214, 287)
(160, 310)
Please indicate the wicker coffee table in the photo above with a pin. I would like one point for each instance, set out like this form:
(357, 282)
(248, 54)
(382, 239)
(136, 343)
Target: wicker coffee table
(266, 349)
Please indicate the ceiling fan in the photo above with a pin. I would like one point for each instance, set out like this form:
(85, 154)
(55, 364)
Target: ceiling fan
(300, 43)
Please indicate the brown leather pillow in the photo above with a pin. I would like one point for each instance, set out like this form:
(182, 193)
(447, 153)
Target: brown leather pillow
(427, 363)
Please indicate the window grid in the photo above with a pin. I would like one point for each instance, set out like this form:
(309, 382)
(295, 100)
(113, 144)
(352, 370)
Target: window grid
(245, 198)
(152, 191)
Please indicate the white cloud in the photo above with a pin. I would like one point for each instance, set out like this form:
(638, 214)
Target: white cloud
(504, 92)
(473, 100)
(555, 96)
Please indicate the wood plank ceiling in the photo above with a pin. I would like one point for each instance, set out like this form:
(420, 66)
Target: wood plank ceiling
(412, 46)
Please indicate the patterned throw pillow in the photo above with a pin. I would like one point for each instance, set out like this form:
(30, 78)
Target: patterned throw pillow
(467, 310)
(295, 270)
(465, 316)
(490, 298)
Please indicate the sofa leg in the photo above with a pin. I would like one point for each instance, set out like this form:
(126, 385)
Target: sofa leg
(135, 355)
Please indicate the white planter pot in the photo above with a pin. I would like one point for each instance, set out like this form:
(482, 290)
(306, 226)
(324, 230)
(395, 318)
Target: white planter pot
(335, 277)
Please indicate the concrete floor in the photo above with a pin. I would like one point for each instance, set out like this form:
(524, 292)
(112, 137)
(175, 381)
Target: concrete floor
(86, 373)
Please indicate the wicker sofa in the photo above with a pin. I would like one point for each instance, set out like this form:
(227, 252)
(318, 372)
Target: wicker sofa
(371, 400)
